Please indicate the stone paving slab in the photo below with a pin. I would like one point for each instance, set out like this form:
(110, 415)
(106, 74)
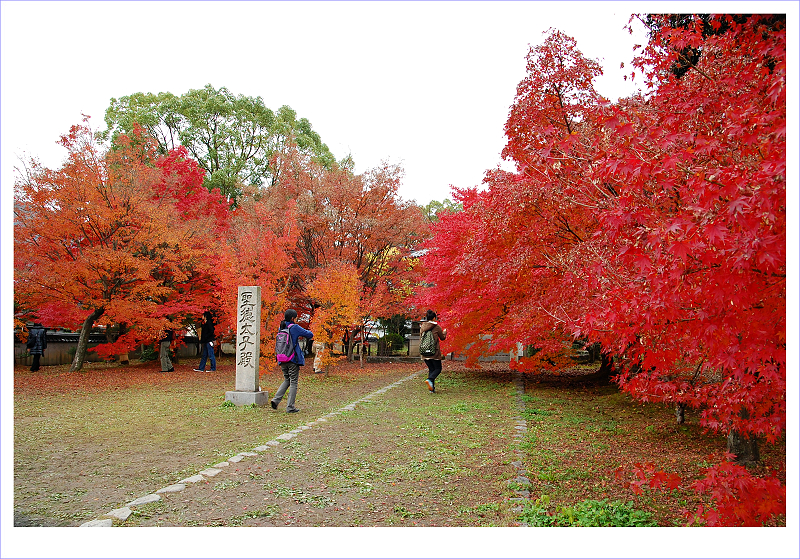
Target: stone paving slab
(174, 488)
(194, 479)
(266, 446)
(120, 514)
(152, 498)
(97, 523)
(521, 427)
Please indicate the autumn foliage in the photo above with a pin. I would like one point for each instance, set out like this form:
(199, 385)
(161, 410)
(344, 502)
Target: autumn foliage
(355, 220)
(131, 237)
(106, 236)
(654, 225)
(335, 293)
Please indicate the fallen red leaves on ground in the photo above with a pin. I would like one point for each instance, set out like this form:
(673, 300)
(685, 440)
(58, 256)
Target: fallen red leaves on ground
(97, 377)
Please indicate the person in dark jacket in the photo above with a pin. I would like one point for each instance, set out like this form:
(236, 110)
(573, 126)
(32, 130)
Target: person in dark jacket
(291, 369)
(207, 343)
(433, 362)
(164, 345)
(37, 343)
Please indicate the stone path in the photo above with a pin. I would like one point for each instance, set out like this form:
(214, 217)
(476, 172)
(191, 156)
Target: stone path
(122, 514)
(118, 516)
(522, 429)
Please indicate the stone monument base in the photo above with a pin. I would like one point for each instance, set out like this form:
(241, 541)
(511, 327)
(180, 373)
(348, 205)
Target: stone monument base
(241, 398)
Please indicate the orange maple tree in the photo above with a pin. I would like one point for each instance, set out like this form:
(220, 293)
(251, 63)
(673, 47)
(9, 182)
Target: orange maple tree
(119, 234)
(335, 294)
(255, 251)
(357, 219)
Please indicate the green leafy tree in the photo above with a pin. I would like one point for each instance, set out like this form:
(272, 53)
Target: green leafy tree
(394, 325)
(234, 138)
(432, 210)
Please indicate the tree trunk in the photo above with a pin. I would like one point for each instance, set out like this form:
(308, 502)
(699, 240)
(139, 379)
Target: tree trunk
(606, 366)
(83, 339)
(680, 413)
(350, 346)
(361, 349)
(744, 447)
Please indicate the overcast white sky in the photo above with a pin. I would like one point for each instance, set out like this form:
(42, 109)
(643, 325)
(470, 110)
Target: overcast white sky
(424, 84)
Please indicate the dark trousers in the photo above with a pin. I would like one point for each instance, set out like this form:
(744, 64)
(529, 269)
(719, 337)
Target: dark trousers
(35, 365)
(434, 368)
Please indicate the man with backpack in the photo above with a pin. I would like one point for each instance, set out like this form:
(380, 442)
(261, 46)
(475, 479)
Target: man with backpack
(290, 357)
(430, 334)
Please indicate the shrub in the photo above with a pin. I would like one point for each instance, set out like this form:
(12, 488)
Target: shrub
(148, 354)
(586, 513)
(394, 342)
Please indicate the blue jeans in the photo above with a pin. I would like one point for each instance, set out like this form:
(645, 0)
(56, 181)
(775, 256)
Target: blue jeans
(207, 352)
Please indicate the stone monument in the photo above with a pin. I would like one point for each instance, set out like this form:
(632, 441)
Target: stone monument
(248, 345)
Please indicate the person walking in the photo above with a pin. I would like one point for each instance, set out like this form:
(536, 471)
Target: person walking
(433, 361)
(164, 345)
(37, 343)
(207, 343)
(291, 369)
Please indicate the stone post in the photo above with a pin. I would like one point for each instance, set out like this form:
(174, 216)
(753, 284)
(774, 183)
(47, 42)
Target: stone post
(248, 345)
(520, 352)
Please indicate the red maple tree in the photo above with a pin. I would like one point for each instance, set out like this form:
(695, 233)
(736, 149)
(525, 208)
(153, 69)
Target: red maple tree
(654, 225)
(506, 269)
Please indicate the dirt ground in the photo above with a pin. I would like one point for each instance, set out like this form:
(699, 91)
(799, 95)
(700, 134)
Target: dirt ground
(407, 457)
(88, 443)
(392, 461)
